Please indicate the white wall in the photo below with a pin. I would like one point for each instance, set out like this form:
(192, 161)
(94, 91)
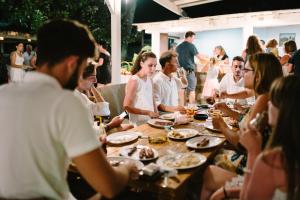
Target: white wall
(230, 39)
(267, 33)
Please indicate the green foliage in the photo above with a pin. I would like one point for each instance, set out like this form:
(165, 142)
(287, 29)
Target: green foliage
(29, 15)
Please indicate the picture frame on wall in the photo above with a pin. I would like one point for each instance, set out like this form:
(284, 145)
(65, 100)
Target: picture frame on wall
(283, 37)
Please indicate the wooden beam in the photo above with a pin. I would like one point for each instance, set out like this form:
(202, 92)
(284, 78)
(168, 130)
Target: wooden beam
(170, 6)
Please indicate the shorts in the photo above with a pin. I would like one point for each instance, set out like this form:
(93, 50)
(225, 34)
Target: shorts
(192, 81)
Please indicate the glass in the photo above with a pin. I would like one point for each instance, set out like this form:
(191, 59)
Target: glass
(247, 70)
(191, 109)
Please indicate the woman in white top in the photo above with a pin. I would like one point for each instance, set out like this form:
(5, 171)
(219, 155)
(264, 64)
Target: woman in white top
(211, 83)
(17, 62)
(139, 101)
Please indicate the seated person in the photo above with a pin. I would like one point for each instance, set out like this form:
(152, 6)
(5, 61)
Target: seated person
(166, 86)
(233, 82)
(99, 107)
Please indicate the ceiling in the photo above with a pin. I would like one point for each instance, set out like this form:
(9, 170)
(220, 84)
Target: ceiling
(162, 10)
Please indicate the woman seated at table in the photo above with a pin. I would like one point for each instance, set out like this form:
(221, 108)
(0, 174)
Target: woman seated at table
(261, 70)
(99, 107)
(277, 168)
(139, 101)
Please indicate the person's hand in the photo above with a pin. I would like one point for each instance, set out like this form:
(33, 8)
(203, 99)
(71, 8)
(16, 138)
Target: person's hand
(223, 95)
(132, 169)
(251, 140)
(181, 109)
(115, 122)
(153, 114)
(218, 121)
(223, 107)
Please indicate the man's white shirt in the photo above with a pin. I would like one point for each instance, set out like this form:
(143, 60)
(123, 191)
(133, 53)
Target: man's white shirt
(165, 89)
(42, 127)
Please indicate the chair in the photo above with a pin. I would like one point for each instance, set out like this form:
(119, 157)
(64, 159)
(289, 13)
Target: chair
(114, 94)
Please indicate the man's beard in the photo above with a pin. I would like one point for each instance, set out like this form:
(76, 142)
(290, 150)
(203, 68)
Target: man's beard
(73, 81)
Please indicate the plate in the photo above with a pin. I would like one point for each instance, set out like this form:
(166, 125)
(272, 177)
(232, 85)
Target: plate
(122, 137)
(212, 142)
(181, 160)
(115, 161)
(209, 126)
(182, 134)
(168, 116)
(135, 155)
(160, 123)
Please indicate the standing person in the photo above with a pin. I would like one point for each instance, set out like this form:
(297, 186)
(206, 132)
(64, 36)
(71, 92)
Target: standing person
(28, 55)
(221, 55)
(271, 47)
(104, 64)
(294, 63)
(253, 46)
(186, 52)
(289, 48)
(16, 64)
(139, 100)
(40, 135)
(166, 86)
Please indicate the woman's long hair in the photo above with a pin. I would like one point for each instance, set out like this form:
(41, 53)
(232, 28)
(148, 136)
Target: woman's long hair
(285, 95)
(253, 45)
(266, 69)
(142, 57)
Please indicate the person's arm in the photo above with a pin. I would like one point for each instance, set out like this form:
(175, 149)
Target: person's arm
(244, 55)
(227, 111)
(97, 94)
(166, 108)
(239, 95)
(130, 97)
(202, 57)
(106, 180)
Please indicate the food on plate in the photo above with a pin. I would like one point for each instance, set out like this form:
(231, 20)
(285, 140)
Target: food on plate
(163, 123)
(233, 123)
(203, 142)
(146, 153)
(177, 134)
(167, 116)
(182, 161)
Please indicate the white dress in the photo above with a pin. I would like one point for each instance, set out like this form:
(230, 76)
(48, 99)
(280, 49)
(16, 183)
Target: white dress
(17, 74)
(143, 99)
(211, 82)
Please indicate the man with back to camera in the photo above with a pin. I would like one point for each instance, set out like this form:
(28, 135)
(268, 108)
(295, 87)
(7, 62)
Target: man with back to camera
(44, 125)
(186, 52)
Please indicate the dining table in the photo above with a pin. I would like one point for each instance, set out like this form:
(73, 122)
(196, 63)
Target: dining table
(179, 185)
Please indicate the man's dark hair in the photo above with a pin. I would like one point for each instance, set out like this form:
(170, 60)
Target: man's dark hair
(189, 34)
(166, 57)
(238, 58)
(58, 39)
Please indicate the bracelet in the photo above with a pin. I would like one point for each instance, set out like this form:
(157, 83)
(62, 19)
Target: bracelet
(225, 193)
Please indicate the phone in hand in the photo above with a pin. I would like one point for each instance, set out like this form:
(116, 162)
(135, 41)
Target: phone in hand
(123, 115)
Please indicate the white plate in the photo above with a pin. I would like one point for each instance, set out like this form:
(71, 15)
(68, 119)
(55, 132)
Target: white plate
(168, 116)
(159, 123)
(181, 160)
(184, 133)
(125, 150)
(209, 126)
(119, 160)
(122, 137)
(213, 141)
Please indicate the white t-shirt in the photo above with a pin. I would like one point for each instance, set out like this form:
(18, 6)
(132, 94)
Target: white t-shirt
(42, 127)
(27, 57)
(165, 89)
(230, 86)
